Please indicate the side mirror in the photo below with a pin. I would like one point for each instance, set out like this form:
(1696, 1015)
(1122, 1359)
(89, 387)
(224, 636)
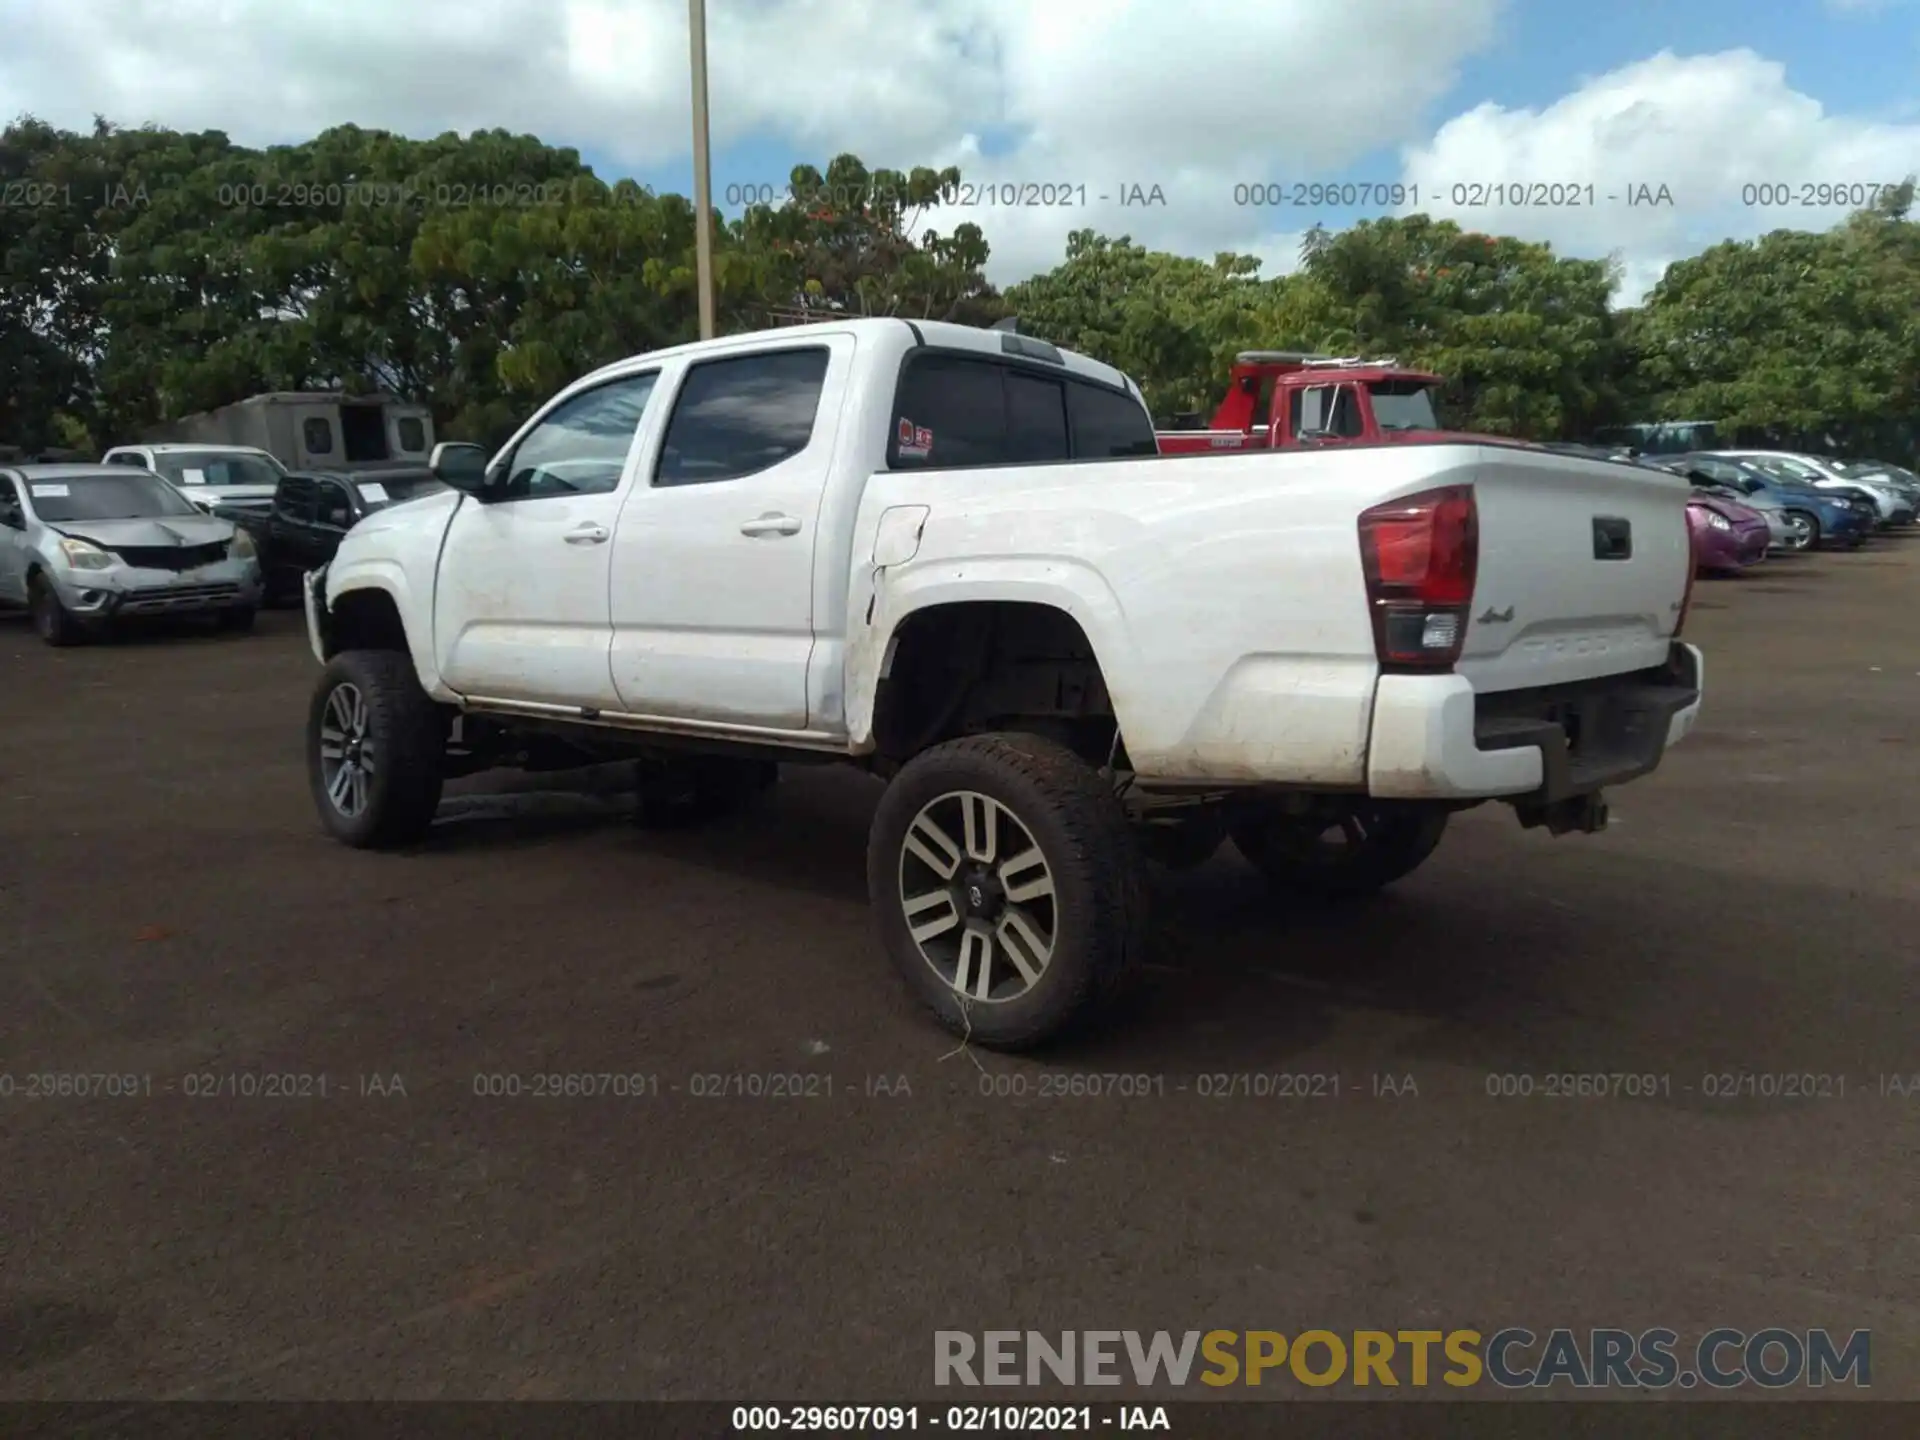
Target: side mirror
(462, 467)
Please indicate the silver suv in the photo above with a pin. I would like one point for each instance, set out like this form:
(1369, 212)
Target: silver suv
(83, 545)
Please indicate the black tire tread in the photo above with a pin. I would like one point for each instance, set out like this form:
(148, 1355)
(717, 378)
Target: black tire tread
(413, 735)
(1102, 843)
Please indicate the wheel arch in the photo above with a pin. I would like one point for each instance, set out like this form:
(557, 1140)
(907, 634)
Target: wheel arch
(369, 611)
(1019, 656)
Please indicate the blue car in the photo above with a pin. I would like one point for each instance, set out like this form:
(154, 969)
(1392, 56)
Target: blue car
(1841, 518)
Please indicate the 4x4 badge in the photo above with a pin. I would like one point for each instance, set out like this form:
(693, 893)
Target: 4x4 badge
(1496, 617)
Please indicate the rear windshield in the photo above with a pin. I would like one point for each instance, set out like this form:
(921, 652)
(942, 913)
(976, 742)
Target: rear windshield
(123, 495)
(1403, 405)
(185, 467)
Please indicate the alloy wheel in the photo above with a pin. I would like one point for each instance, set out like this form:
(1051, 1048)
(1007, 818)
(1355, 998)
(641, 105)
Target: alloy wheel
(978, 896)
(346, 750)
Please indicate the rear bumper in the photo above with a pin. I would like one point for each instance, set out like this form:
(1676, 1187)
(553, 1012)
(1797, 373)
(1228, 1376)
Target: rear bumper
(1436, 738)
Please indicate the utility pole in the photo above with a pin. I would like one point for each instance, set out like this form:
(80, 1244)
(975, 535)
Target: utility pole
(702, 168)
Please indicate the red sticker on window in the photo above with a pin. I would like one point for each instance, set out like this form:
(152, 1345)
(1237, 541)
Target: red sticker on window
(915, 442)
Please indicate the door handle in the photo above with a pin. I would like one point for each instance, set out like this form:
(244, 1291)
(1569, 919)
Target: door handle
(588, 535)
(772, 523)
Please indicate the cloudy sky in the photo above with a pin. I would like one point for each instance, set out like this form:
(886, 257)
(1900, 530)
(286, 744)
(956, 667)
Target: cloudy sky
(1739, 113)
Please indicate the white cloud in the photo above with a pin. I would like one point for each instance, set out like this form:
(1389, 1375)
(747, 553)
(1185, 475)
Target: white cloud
(1115, 94)
(1098, 97)
(1738, 149)
(1104, 94)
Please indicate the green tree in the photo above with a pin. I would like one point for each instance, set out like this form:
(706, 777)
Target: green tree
(1525, 338)
(849, 242)
(1171, 322)
(1794, 330)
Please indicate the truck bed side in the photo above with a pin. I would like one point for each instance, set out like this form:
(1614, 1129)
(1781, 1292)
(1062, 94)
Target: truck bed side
(1224, 597)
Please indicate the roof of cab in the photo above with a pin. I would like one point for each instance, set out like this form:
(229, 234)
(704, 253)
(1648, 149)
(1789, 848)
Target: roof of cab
(68, 470)
(174, 447)
(897, 331)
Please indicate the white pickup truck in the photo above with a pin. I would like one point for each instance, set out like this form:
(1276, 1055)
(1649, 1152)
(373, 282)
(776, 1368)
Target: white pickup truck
(954, 557)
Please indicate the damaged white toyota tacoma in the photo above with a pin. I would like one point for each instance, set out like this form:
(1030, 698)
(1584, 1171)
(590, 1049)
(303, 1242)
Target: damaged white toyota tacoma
(952, 556)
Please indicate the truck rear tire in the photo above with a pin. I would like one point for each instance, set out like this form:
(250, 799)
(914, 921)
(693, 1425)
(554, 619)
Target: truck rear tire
(1374, 845)
(376, 750)
(676, 793)
(1007, 887)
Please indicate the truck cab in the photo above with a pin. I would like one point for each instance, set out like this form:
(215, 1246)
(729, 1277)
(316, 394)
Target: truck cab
(1277, 399)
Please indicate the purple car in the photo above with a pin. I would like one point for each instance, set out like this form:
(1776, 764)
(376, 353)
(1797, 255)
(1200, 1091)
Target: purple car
(1727, 536)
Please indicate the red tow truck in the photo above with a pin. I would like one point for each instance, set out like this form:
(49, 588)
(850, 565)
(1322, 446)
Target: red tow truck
(1281, 398)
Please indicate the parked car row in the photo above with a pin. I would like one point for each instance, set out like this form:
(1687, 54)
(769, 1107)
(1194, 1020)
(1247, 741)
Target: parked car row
(1799, 502)
(222, 530)
(83, 546)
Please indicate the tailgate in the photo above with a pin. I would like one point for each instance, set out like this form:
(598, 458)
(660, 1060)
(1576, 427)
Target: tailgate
(1584, 566)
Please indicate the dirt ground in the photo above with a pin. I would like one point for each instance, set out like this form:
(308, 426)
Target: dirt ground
(171, 913)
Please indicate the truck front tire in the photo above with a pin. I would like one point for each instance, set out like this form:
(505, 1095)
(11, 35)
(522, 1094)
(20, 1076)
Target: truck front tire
(376, 750)
(1355, 853)
(1008, 889)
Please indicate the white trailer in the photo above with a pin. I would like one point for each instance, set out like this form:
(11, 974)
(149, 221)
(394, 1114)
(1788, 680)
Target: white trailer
(315, 429)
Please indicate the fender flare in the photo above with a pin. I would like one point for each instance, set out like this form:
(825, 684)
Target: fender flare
(1076, 590)
(386, 577)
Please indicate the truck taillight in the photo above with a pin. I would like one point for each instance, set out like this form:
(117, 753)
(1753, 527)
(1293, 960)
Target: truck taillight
(1421, 555)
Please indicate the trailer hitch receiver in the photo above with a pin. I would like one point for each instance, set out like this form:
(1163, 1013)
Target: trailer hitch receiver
(1581, 814)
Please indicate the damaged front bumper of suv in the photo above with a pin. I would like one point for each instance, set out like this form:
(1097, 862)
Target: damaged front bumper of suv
(98, 597)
